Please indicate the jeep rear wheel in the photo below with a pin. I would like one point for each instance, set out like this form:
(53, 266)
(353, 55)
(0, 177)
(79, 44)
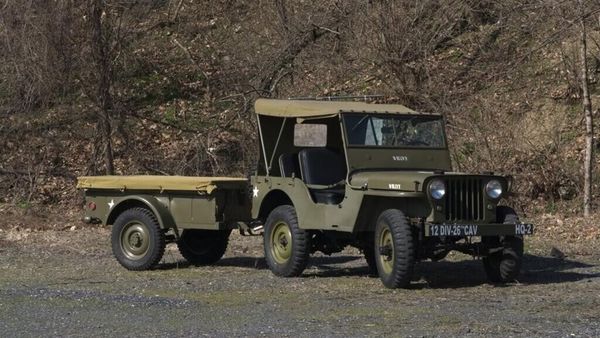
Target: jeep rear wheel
(286, 245)
(138, 242)
(203, 247)
(393, 250)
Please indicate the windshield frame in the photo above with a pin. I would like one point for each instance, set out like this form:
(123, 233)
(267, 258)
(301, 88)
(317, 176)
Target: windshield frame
(383, 115)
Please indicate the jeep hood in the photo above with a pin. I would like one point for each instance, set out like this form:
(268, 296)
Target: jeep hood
(391, 180)
(403, 180)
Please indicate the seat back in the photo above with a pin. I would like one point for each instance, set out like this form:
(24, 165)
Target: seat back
(289, 166)
(321, 166)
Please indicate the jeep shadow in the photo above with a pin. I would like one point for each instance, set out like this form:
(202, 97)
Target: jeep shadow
(466, 273)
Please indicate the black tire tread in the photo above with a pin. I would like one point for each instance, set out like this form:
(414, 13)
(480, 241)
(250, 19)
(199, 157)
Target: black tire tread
(218, 240)
(403, 249)
(504, 266)
(147, 217)
(300, 243)
(369, 253)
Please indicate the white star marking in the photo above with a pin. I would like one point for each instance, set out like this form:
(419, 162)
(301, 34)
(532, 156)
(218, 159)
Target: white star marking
(255, 192)
(111, 204)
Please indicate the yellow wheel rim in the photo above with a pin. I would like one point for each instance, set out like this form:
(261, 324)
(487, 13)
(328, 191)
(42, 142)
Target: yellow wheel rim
(387, 255)
(135, 240)
(281, 243)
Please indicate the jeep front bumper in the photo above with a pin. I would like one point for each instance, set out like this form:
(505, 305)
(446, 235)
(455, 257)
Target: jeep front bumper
(463, 230)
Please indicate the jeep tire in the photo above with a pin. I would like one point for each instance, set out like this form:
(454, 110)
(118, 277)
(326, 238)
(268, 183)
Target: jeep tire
(203, 247)
(504, 264)
(286, 245)
(394, 249)
(138, 242)
(369, 253)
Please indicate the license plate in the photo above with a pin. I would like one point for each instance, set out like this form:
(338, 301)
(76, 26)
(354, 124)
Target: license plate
(462, 230)
(453, 230)
(523, 229)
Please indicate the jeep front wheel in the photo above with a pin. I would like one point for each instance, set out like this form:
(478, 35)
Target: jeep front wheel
(286, 245)
(503, 264)
(138, 242)
(394, 253)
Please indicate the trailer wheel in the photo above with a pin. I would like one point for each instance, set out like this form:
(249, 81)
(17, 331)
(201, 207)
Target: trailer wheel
(286, 245)
(203, 247)
(394, 249)
(138, 242)
(503, 266)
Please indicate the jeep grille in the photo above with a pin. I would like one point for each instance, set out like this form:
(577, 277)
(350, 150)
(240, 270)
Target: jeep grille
(464, 199)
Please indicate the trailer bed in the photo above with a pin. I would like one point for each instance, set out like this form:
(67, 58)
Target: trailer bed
(158, 183)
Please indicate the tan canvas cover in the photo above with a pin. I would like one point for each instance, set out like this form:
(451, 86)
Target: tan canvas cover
(307, 108)
(147, 182)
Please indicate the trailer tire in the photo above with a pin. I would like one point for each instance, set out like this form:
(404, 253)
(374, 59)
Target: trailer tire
(394, 249)
(203, 247)
(286, 245)
(138, 242)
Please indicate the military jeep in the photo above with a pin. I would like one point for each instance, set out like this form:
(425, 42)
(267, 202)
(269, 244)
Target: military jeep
(377, 177)
(330, 174)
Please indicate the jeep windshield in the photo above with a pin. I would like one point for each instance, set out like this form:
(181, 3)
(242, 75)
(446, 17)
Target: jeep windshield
(396, 131)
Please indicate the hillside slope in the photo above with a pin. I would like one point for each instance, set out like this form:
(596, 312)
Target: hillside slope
(184, 74)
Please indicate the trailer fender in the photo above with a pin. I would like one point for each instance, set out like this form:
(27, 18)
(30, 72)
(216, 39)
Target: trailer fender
(162, 213)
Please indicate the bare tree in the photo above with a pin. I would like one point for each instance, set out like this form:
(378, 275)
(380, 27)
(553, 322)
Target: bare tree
(301, 28)
(110, 28)
(587, 111)
(100, 47)
(404, 35)
(36, 53)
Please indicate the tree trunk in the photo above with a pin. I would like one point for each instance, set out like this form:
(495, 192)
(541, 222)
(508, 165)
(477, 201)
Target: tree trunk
(589, 122)
(101, 55)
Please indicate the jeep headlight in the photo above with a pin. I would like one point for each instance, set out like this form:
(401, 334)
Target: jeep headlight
(437, 189)
(494, 189)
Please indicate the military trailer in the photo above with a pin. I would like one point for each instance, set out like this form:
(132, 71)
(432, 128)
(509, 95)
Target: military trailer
(330, 174)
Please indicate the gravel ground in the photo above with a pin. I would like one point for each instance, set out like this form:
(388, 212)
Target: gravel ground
(66, 283)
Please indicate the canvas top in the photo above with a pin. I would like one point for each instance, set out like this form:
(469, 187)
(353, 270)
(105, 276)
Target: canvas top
(316, 108)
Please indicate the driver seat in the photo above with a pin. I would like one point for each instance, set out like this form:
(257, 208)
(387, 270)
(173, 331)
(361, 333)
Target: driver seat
(325, 168)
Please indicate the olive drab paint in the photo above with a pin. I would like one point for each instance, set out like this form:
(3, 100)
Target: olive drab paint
(387, 158)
